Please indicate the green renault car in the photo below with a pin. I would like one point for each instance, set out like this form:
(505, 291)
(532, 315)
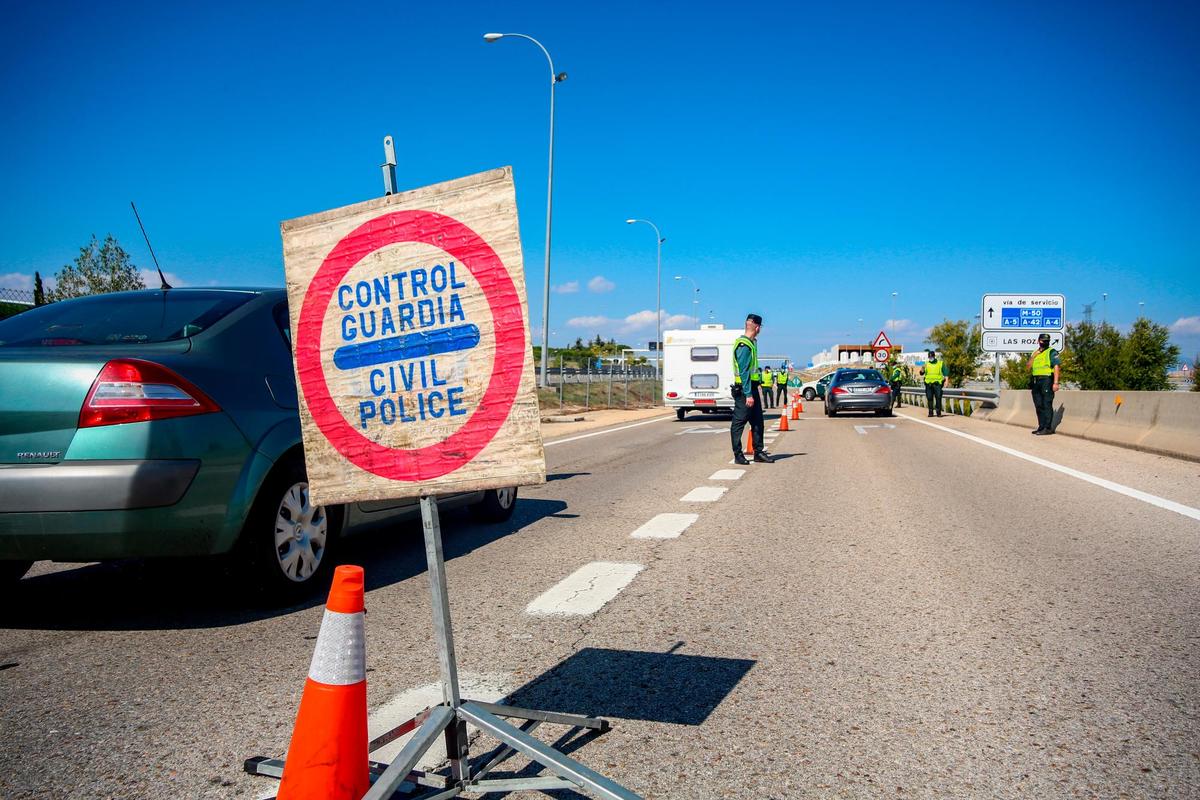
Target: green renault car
(165, 423)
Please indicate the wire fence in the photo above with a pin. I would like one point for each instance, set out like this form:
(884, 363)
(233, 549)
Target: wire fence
(22, 296)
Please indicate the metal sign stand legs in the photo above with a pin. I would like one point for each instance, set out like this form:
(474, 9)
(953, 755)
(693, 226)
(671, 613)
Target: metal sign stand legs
(450, 719)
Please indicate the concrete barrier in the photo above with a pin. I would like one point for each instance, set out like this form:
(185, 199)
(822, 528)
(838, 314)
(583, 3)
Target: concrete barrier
(1176, 428)
(1157, 422)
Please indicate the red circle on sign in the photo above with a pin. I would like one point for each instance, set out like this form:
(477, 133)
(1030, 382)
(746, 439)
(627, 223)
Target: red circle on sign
(881, 355)
(459, 241)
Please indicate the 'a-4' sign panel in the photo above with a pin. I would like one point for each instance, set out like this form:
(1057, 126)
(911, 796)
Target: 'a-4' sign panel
(410, 334)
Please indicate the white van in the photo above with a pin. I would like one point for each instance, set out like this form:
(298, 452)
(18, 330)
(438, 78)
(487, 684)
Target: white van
(698, 369)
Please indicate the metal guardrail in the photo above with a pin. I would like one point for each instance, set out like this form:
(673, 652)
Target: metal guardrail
(956, 401)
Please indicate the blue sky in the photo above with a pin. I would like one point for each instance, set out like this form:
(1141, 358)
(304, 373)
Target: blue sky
(803, 160)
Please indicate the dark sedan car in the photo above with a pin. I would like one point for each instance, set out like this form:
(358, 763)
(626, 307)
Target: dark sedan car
(858, 390)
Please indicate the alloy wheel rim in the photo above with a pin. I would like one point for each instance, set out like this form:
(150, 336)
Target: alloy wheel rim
(506, 496)
(301, 530)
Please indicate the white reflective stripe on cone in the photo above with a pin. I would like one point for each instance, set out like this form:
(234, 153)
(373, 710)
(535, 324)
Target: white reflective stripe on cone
(341, 655)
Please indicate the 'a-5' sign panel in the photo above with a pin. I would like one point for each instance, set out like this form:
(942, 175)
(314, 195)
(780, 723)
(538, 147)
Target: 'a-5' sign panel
(410, 334)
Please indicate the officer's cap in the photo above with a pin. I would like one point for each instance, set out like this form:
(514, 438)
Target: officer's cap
(1044, 338)
(755, 318)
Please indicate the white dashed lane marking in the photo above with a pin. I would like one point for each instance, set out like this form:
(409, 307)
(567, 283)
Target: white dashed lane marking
(727, 474)
(409, 703)
(586, 590)
(704, 494)
(665, 526)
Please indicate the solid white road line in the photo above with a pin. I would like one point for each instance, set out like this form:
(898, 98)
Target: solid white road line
(586, 590)
(727, 475)
(608, 430)
(665, 526)
(409, 703)
(1128, 491)
(704, 494)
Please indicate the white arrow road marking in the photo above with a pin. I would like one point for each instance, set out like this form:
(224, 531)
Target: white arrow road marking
(702, 429)
(862, 429)
(586, 590)
(665, 526)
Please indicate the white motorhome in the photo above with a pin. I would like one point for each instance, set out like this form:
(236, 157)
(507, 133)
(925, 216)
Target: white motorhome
(698, 369)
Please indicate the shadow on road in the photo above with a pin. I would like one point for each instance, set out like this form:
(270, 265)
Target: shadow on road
(209, 593)
(629, 684)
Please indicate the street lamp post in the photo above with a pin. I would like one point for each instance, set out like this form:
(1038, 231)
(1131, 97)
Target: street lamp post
(555, 79)
(658, 301)
(894, 294)
(695, 297)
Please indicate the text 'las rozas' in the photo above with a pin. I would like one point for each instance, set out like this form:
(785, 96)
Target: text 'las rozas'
(397, 325)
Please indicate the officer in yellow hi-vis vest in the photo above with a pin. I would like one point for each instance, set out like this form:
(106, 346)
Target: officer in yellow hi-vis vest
(768, 388)
(747, 394)
(1044, 366)
(781, 379)
(935, 381)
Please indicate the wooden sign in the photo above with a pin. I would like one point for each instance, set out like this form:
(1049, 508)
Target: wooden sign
(410, 333)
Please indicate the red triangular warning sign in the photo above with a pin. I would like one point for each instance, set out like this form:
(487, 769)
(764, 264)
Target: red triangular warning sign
(882, 341)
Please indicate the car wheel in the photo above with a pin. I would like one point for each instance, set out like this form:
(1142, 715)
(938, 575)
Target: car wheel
(809, 394)
(831, 411)
(497, 505)
(883, 412)
(289, 541)
(680, 414)
(12, 571)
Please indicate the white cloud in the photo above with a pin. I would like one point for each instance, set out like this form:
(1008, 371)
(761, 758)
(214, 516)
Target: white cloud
(150, 278)
(1186, 325)
(570, 287)
(600, 285)
(899, 325)
(588, 322)
(633, 323)
(17, 280)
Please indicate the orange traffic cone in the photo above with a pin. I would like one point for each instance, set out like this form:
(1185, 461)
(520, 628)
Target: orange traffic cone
(749, 451)
(783, 425)
(327, 759)
(800, 403)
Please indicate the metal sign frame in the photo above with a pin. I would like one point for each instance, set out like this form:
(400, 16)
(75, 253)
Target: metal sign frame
(1017, 330)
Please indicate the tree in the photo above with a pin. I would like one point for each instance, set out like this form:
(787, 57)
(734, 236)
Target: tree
(960, 345)
(1195, 379)
(1148, 356)
(1015, 374)
(1091, 357)
(39, 291)
(98, 269)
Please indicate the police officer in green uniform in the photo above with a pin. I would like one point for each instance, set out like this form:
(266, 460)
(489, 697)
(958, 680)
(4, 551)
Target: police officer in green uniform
(897, 381)
(935, 381)
(1044, 366)
(768, 388)
(747, 394)
(781, 379)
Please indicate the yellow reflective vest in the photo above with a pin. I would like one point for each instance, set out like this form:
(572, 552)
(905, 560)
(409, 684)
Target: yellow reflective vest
(755, 375)
(1042, 364)
(781, 378)
(933, 372)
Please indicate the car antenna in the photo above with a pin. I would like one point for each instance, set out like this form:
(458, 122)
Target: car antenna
(161, 277)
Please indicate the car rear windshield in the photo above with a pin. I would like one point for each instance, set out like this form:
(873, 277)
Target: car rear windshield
(115, 319)
(859, 375)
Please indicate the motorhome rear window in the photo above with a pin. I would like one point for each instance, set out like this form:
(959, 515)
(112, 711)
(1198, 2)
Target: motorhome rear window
(705, 381)
(705, 354)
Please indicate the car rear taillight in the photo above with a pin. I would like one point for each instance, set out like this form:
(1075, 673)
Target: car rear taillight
(883, 390)
(132, 390)
(672, 395)
(838, 390)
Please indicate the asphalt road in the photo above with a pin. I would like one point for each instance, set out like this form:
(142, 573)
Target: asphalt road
(885, 612)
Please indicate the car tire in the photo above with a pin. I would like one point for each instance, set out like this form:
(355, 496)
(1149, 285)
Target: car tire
(13, 571)
(680, 414)
(809, 394)
(883, 412)
(497, 505)
(288, 546)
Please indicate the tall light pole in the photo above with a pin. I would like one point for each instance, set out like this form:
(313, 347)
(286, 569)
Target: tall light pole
(658, 302)
(894, 316)
(1104, 308)
(555, 79)
(695, 298)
